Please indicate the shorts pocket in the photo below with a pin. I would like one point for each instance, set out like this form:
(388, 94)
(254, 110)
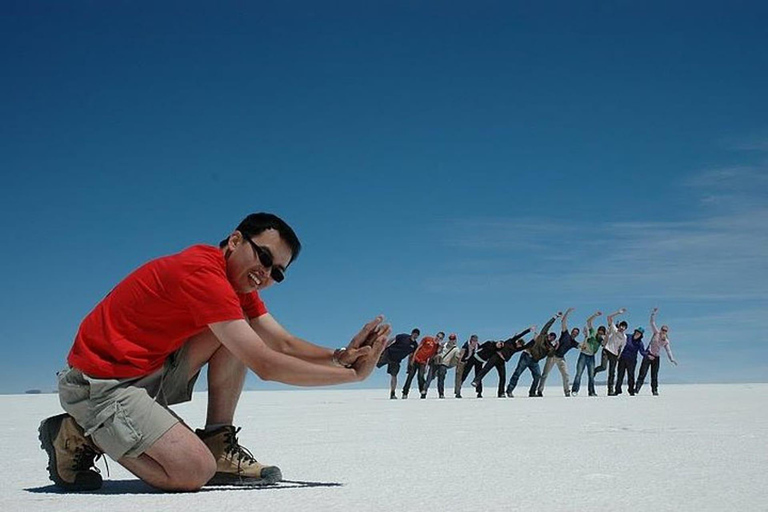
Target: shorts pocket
(117, 434)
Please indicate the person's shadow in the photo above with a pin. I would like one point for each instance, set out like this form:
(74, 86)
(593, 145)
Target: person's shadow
(139, 487)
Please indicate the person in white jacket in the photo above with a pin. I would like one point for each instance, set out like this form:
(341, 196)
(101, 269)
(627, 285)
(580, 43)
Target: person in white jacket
(447, 357)
(615, 339)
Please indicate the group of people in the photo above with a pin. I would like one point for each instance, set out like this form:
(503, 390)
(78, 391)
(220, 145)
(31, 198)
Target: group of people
(620, 349)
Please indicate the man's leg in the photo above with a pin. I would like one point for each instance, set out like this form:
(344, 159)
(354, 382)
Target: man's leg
(484, 370)
(644, 365)
(522, 364)
(580, 365)
(458, 379)
(631, 376)
(561, 365)
(412, 369)
(547, 368)
(501, 368)
(478, 365)
(421, 375)
(612, 362)
(591, 375)
(441, 371)
(536, 374)
(226, 376)
(603, 362)
(655, 375)
(620, 375)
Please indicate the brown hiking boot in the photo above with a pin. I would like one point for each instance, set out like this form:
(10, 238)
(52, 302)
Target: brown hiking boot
(71, 455)
(235, 464)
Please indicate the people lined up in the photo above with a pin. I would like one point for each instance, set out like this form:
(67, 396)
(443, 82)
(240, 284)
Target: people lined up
(431, 357)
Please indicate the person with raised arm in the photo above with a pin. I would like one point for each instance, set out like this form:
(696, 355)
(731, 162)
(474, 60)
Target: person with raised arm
(543, 344)
(142, 347)
(587, 350)
(501, 352)
(652, 357)
(614, 343)
(628, 360)
(566, 342)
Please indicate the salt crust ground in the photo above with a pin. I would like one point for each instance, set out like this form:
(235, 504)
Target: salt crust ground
(696, 447)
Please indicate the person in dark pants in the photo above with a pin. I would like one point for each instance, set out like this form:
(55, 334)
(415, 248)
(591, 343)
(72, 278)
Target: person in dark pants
(652, 357)
(615, 339)
(446, 358)
(530, 357)
(419, 360)
(400, 347)
(502, 352)
(628, 360)
(468, 362)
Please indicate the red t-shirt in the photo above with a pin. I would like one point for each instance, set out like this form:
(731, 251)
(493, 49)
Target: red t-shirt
(427, 350)
(154, 310)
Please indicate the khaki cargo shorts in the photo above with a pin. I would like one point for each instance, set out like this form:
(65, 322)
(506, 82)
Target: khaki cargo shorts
(126, 416)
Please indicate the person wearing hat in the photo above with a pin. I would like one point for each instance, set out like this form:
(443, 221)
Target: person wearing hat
(652, 357)
(628, 360)
(446, 357)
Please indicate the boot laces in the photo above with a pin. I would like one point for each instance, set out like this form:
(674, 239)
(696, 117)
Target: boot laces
(234, 448)
(85, 457)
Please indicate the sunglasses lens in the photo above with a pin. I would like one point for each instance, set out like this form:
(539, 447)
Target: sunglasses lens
(277, 275)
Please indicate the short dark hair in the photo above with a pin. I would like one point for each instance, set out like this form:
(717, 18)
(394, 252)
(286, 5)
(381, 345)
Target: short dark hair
(257, 223)
(416, 331)
(624, 323)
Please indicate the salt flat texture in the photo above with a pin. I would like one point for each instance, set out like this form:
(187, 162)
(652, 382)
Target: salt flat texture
(696, 447)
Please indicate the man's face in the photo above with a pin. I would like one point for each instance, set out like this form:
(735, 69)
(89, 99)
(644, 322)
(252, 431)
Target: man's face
(551, 336)
(664, 331)
(473, 340)
(637, 335)
(245, 270)
(415, 335)
(575, 332)
(439, 337)
(622, 327)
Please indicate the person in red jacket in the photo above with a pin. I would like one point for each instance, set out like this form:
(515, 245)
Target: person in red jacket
(419, 361)
(142, 347)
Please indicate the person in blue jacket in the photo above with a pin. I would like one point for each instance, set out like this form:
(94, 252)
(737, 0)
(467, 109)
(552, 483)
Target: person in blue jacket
(628, 360)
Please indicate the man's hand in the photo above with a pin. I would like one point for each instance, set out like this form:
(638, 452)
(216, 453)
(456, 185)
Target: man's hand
(363, 341)
(372, 345)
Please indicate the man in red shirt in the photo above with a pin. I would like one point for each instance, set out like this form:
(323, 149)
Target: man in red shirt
(417, 363)
(142, 347)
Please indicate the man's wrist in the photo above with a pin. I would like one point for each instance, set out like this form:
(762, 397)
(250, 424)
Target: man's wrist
(336, 358)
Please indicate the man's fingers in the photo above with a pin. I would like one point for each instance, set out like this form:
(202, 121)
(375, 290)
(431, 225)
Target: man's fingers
(362, 336)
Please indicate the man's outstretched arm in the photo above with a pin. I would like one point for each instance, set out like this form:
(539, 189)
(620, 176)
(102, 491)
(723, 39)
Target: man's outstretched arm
(269, 364)
(278, 338)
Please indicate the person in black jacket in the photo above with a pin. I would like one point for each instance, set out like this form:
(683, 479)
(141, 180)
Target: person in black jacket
(467, 362)
(498, 353)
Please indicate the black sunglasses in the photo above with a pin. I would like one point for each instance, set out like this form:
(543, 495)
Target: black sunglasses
(265, 258)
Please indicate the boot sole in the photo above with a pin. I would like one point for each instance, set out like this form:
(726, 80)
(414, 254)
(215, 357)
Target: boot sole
(270, 475)
(47, 432)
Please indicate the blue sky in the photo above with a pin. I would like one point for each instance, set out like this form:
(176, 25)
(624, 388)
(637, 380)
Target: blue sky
(460, 166)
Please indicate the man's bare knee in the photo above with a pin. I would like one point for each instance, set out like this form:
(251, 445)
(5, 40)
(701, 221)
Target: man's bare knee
(178, 461)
